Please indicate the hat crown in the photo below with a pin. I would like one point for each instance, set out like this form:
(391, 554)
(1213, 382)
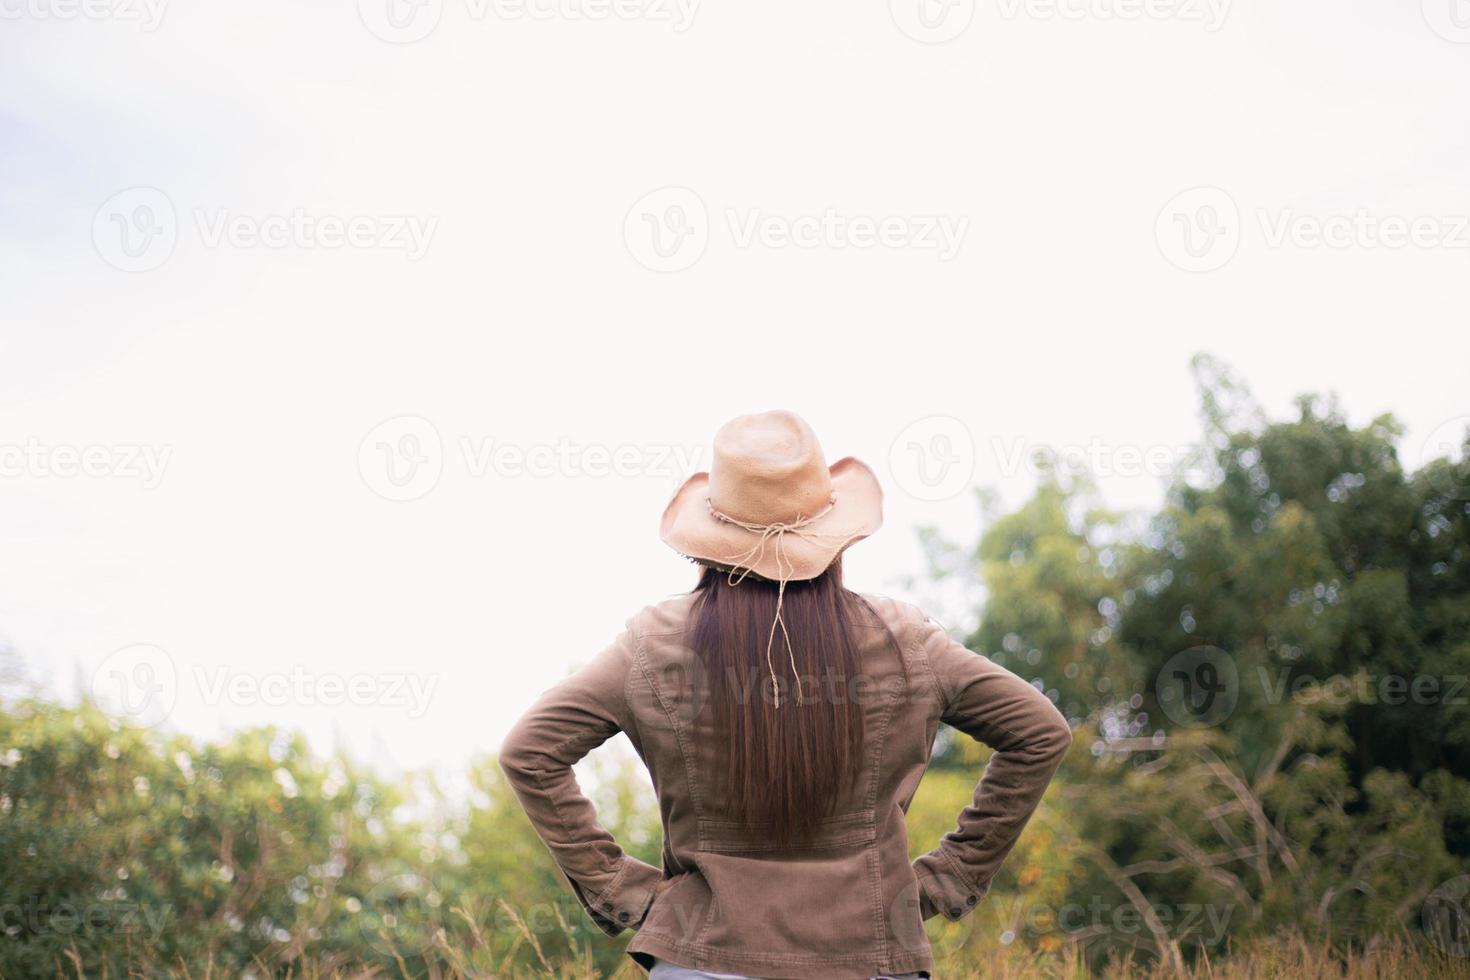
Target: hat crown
(768, 468)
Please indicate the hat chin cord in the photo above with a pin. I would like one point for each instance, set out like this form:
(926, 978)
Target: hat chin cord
(743, 564)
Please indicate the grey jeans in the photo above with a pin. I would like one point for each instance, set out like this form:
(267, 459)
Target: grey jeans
(664, 970)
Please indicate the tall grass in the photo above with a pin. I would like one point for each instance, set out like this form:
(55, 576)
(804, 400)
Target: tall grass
(1282, 958)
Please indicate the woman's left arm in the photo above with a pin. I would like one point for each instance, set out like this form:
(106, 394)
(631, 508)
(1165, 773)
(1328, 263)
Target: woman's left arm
(568, 721)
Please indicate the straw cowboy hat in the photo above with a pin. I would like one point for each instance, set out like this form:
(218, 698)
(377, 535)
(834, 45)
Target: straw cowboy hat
(769, 505)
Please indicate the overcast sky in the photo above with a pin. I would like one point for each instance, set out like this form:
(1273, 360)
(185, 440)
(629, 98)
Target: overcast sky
(350, 352)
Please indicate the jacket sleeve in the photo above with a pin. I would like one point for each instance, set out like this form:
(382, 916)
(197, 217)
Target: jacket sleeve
(567, 722)
(1029, 736)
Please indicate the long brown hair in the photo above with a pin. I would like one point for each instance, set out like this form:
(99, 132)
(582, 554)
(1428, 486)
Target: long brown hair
(785, 766)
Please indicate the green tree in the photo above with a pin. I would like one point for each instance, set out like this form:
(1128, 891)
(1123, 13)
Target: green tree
(1318, 598)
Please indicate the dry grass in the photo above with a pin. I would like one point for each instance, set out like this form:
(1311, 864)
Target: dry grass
(1284, 959)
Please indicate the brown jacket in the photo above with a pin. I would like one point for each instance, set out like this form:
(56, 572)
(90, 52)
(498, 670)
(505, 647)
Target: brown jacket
(848, 903)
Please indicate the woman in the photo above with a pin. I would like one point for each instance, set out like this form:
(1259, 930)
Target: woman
(786, 723)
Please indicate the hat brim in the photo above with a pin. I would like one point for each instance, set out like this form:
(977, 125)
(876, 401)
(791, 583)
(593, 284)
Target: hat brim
(690, 529)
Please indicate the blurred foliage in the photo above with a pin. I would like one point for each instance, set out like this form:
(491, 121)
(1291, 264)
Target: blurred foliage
(1332, 589)
(1302, 832)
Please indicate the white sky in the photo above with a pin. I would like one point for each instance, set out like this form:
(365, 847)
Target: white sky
(524, 145)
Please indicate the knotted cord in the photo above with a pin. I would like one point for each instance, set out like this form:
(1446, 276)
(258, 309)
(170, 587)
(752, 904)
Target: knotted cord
(743, 564)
